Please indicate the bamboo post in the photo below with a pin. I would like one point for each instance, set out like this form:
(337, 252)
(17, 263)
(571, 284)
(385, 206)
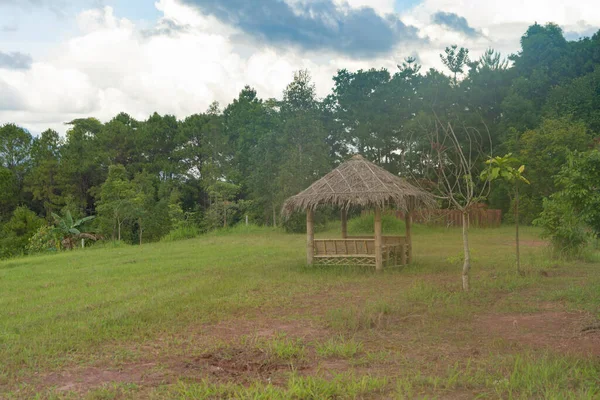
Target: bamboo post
(310, 236)
(403, 248)
(408, 218)
(378, 255)
(344, 223)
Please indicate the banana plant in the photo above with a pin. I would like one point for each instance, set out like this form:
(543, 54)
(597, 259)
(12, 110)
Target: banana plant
(70, 231)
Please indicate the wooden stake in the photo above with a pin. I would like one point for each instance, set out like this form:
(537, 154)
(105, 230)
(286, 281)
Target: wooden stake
(344, 223)
(378, 240)
(408, 219)
(310, 236)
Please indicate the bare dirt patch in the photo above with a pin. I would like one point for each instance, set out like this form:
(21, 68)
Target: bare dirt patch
(557, 331)
(225, 351)
(263, 326)
(241, 365)
(83, 379)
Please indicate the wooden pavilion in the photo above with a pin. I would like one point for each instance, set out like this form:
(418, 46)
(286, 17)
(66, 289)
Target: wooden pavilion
(358, 182)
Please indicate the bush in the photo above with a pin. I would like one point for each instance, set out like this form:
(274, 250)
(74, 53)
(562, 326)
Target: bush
(183, 232)
(45, 239)
(14, 236)
(366, 224)
(562, 226)
(296, 223)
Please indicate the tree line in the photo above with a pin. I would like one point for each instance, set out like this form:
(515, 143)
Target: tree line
(147, 179)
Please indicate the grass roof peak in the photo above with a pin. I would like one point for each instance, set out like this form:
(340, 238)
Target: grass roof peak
(359, 182)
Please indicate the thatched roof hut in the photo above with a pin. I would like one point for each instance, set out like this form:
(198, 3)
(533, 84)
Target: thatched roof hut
(359, 182)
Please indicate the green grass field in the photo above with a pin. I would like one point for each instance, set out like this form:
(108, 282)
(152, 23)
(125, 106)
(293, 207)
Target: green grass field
(237, 314)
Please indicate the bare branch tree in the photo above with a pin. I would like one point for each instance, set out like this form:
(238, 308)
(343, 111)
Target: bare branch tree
(449, 166)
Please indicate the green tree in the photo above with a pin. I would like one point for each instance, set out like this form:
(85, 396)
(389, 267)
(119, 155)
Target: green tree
(493, 61)
(246, 121)
(455, 60)
(576, 206)
(502, 168)
(83, 163)
(9, 193)
(223, 205)
(578, 181)
(116, 203)
(143, 205)
(302, 138)
(546, 149)
(563, 226)
(15, 148)
(15, 234)
(578, 98)
(158, 144)
(119, 140)
(43, 180)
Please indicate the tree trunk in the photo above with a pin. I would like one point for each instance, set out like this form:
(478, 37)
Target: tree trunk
(467, 252)
(274, 216)
(141, 230)
(119, 232)
(517, 228)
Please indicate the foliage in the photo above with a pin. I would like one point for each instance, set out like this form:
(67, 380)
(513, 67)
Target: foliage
(562, 225)
(365, 224)
(569, 213)
(45, 239)
(546, 150)
(69, 231)
(182, 232)
(15, 234)
(500, 167)
(9, 192)
(578, 181)
(539, 104)
(296, 223)
(455, 59)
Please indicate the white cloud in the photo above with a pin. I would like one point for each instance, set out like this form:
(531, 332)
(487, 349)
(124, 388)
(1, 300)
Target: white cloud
(112, 65)
(501, 23)
(381, 6)
(484, 13)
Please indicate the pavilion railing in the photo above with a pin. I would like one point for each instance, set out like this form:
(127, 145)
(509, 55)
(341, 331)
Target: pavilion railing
(360, 250)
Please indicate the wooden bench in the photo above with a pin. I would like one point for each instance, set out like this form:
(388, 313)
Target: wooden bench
(360, 250)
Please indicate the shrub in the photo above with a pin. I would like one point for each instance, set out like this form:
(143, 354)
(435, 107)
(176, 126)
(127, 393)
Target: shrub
(45, 239)
(366, 224)
(296, 223)
(182, 232)
(563, 227)
(15, 234)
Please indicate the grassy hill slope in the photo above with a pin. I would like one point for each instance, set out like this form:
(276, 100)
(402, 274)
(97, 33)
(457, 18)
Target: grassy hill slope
(238, 314)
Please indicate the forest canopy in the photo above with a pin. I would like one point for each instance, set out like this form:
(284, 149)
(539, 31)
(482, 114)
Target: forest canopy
(145, 179)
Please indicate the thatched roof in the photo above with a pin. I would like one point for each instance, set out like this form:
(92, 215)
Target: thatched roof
(358, 182)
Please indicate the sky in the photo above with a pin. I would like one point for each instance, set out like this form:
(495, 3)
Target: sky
(67, 59)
